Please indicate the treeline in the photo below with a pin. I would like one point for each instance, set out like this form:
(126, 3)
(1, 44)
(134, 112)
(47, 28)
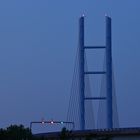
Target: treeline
(19, 132)
(15, 132)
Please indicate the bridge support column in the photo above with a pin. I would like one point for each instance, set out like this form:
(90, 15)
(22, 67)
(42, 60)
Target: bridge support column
(109, 73)
(81, 73)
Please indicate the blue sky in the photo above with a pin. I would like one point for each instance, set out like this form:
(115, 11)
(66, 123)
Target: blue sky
(38, 42)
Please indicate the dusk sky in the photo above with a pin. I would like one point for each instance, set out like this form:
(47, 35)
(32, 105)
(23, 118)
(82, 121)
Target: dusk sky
(38, 42)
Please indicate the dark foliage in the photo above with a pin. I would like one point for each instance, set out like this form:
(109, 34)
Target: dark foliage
(65, 134)
(15, 132)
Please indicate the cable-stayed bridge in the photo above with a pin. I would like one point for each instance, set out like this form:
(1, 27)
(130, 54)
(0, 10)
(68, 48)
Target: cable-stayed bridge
(87, 109)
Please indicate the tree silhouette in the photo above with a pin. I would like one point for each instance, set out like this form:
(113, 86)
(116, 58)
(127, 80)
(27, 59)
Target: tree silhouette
(65, 134)
(15, 132)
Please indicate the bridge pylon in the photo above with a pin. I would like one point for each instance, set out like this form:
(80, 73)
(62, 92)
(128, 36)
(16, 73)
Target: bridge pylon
(107, 72)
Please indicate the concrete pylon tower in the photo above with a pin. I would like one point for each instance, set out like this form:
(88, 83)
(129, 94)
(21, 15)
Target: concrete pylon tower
(108, 72)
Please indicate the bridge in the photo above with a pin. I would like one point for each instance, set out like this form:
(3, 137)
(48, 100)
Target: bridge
(87, 109)
(81, 107)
